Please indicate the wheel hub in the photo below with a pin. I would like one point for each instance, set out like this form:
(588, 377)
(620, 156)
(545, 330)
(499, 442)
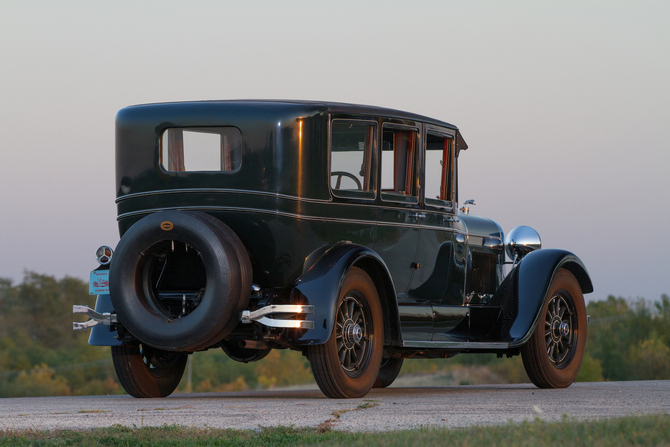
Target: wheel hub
(558, 329)
(353, 334)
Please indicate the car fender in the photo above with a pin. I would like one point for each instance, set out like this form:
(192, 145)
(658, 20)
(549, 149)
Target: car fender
(320, 286)
(535, 274)
(104, 335)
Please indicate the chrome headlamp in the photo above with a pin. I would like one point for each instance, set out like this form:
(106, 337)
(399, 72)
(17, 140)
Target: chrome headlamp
(104, 255)
(521, 241)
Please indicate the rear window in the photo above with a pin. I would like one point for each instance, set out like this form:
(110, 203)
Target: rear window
(201, 149)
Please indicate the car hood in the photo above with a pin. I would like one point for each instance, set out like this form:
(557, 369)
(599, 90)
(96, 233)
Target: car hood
(482, 226)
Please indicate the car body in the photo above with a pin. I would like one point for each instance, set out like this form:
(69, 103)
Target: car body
(304, 199)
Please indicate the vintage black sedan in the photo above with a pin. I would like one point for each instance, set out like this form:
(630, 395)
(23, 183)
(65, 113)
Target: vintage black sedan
(331, 229)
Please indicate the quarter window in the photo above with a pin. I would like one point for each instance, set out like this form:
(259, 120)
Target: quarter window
(439, 170)
(352, 147)
(399, 155)
(201, 149)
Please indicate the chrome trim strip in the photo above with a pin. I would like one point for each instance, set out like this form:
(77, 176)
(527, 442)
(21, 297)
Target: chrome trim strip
(295, 216)
(454, 345)
(397, 224)
(279, 196)
(243, 210)
(220, 191)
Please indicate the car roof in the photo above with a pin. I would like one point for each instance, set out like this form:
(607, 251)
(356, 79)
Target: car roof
(330, 106)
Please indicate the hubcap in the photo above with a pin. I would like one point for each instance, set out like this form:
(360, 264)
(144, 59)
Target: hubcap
(352, 334)
(560, 329)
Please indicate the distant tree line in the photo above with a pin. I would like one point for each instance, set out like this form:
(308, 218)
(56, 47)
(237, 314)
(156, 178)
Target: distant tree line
(40, 354)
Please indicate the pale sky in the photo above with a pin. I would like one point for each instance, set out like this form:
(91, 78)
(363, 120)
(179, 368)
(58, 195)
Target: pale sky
(565, 106)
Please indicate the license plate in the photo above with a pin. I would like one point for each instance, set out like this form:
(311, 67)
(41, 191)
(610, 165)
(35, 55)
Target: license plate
(99, 282)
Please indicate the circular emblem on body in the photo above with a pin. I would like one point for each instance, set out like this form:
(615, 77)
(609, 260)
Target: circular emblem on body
(167, 225)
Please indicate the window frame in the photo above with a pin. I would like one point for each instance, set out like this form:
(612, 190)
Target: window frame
(164, 169)
(394, 197)
(358, 195)
(447, 205)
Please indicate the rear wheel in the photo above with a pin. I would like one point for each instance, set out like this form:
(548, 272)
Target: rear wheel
(347, 365)
(388, 371)
(553, 355)
(148, 372)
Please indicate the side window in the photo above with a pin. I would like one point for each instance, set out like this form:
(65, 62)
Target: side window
(201, 149)
(439, 170)
(399, 155)
(351, 153)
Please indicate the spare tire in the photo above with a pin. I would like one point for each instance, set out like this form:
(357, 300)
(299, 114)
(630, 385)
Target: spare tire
(178, 280)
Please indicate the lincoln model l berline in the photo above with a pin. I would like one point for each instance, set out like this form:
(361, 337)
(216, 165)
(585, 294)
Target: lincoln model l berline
(330, 229)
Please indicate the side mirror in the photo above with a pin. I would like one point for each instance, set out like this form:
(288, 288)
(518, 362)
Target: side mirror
(521, 241)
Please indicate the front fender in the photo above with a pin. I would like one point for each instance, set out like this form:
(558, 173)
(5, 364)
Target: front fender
(321, 283)
(536, 272)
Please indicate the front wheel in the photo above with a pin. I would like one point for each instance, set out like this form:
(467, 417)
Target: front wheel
(347, 365)
(553, 355)
(148, 372)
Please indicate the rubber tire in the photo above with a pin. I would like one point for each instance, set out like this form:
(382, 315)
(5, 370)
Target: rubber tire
(541, 371)
(331, 378)
(227, 292)
(388, 372)
(247, 276)
(141, 381)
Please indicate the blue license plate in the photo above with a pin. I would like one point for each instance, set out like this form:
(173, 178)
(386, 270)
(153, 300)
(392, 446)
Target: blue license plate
(99, 282)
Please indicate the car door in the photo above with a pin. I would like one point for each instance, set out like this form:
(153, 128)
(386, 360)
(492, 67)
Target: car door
(352, 212)
(439, 278)
(398, 221)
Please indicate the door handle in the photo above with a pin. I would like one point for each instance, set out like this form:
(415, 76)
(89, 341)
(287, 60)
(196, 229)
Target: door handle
(417, 215)
(451, 219)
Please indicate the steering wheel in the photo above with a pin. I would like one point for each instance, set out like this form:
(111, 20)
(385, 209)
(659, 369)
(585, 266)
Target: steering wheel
(341, 174)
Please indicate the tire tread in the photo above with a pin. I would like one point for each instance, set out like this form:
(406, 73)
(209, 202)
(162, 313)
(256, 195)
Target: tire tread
(533, 354)
(135, 377)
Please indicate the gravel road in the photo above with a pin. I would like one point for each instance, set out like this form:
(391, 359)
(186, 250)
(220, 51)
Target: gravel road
(387, 409)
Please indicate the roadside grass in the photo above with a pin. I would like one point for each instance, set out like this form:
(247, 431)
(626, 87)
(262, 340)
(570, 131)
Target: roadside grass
(649, 430)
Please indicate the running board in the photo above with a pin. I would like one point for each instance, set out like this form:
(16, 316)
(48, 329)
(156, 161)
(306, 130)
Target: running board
(453, 345)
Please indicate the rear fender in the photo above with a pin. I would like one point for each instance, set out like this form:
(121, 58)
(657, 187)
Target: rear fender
(321, 283)
(101, 334)
(535, 274)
